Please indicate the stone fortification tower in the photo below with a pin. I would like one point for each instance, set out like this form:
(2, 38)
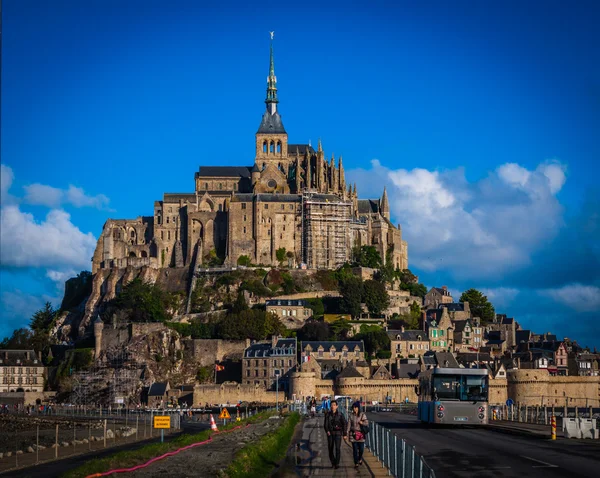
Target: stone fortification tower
(98, 328)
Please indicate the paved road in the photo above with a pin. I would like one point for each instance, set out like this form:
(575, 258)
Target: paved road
(474, 452)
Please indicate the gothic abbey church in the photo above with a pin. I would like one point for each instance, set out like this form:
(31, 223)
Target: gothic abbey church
(292, 197)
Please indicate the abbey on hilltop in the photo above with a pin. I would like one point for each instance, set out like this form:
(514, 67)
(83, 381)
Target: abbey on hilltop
(291, 198)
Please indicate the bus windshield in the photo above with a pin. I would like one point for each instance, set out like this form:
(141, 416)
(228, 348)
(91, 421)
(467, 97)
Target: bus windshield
(460, 387)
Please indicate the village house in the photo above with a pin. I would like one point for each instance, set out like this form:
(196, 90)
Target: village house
(21, 371)
(158, 395)
(265, 363)
(292, 313)
(583, 364)
(439, 329)
(468, 334)
(408, 343)
(436, 297)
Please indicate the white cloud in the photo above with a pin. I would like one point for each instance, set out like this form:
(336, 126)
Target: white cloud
(78, 198)
(473, 230)
(42, 195)
(56, 241)
(579, 297)
(6, 179)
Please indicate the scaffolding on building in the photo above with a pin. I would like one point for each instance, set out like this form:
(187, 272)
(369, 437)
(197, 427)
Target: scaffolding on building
(126, 373)
(325, 230)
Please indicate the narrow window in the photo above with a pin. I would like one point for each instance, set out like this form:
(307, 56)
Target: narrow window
(243, 205)
(244, 217)
(266, 206)
(244, 229)
(264, 146)
(167, 219)
(272, 147)
(169, 235)
(205, 185)
(162, 235)
(220, 185)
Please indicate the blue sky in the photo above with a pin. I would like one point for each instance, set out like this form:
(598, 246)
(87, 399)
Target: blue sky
(481, 119)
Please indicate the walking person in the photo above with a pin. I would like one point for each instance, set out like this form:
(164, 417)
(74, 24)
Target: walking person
(335, 427)
(357, 420)
(313, 408)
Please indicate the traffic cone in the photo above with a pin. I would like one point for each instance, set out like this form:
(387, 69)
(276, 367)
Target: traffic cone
(213, 425)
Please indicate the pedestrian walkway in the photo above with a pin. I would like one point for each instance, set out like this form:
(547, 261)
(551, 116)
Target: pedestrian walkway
(312, 456)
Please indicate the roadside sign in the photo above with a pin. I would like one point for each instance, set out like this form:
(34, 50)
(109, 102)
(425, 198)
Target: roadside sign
(224, 414)
(510, 402)
(162, 422)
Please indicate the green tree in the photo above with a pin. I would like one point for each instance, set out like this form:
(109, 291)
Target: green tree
(376, 297)
(244, 261)
(314, 330)
(317, 307)
(479, 304)
(143, 302)
(20, 339)
(367, 256)
(280, 254)
(407, 277)
(240, 303)
(43, 318)
(352, 292)
(375, 339)
(253, 324)
(341, 329)
(204, 374)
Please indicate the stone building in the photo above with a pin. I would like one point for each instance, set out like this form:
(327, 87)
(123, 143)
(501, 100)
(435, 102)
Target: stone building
(440, 330)
(404, 343)
(292, 197)
(292, 313)
(21, 371)
(468, 334)
(437, 296)
(263, 362)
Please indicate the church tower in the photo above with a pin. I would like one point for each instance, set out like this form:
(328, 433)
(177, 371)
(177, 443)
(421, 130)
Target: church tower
(271, 137)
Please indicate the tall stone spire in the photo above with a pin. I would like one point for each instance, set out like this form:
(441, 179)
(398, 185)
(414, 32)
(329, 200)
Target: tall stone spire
(385, 205)
(271, 100)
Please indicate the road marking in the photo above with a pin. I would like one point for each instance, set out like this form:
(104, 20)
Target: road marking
(543, 463)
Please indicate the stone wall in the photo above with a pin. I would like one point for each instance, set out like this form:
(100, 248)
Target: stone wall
(497, 391)
(25, 398)
(308, 295)
(536, 387)
(232, 393)
(209, 351)
(370, 390)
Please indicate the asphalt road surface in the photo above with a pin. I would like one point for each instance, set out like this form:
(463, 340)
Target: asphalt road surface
(471, 452)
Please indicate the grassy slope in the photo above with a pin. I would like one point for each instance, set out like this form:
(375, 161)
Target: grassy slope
(257, 459)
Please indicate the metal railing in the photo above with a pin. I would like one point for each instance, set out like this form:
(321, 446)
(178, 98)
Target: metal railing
(398, 456)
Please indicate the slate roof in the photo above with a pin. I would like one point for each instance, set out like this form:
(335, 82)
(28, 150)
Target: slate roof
(339, 344)
(265, 349)
(459, 325)
(301, 149)
(411, 335)
(443, 357)
(286, 302)
(366, 206)
(408, 370)
(175, 197)
(225, 171)
(10, 357)
(441, 291)
(350, 372)
(522, 336)
(466, 357)
(157, 389)
(271, 124)
(454, 307)
(508, 320)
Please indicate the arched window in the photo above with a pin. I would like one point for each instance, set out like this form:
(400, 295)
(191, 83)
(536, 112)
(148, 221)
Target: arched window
(264, 146)
(220, 185)
(132, 234)
(144, 254)
(279, 147)
(272, 147)
(132, 254)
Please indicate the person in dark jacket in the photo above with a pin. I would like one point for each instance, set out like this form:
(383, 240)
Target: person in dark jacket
(335, 427)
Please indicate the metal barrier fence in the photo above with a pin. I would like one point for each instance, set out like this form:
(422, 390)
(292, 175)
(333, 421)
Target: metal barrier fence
(539, 415)
(398, 456)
